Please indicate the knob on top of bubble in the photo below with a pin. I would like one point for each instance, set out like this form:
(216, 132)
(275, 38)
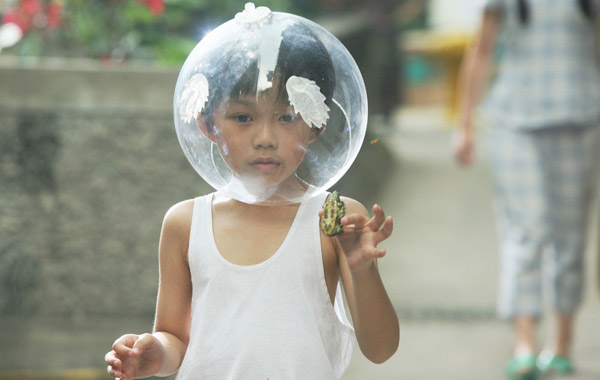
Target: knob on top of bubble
(252, 16)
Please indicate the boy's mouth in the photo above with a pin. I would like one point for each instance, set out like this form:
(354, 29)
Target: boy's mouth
(265, 164)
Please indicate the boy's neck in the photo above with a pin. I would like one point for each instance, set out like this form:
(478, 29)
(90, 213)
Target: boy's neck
(221, 199)
(290, 191)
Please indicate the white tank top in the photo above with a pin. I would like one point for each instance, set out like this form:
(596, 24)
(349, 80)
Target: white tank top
(269, 321)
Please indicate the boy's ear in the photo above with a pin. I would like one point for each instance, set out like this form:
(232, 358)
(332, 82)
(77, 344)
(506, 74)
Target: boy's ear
(205, 131)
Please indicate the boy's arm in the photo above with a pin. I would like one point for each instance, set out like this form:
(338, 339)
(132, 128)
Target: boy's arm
(173, 306)
(374, 317)
(160, 353)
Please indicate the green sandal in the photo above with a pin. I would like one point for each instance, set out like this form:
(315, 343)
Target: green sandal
(547, 362)
(522, 368)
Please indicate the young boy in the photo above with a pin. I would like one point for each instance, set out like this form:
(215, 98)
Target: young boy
(250, 290)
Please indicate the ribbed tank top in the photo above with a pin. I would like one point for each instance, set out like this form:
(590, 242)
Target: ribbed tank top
(273, 320)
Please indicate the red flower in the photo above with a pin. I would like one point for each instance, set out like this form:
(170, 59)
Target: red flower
(53, 15)
(31, 7)
(157, 7)
(19, 18)
(31, 13)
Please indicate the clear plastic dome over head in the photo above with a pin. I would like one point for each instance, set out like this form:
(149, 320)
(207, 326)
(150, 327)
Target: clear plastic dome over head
(270, 108)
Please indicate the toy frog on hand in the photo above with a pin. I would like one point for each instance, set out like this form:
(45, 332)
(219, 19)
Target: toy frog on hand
(333, 211)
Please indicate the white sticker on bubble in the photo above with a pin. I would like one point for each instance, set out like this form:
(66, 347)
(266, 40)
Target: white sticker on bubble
(306, 98)
(193, 97)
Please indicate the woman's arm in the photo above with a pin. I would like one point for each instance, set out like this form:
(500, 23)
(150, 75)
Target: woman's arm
(474, 74)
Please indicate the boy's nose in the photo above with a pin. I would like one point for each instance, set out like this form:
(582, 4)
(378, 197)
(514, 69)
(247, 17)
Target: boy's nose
(265, 136)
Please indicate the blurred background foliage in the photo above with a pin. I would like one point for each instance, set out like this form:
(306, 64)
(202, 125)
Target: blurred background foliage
(162, 31)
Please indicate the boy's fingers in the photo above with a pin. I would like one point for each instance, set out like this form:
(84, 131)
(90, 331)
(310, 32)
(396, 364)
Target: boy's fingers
(114, 367)
(142, 343)
(388, 227)
(384, 232)
(375, 253)
(111, 359)
(115, 373)
(378, 217)
(357, 220)
(374, 223)
(124, 344)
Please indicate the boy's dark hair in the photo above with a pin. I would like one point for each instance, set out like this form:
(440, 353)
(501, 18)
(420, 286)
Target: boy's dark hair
(301, 53)
(524, 13)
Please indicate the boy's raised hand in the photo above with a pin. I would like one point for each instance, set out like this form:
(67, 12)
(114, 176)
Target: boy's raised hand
(135, 356)
(361, 237)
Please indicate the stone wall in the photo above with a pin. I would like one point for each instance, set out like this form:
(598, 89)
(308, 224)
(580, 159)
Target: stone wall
(89, 164)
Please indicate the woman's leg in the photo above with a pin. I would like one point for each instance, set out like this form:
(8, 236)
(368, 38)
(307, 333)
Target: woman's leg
(525, 336)
(575, 153)
(563, 335)
(522, 204)
(521, 209)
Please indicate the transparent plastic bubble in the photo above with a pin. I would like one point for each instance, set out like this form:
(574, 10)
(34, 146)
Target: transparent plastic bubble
(270, 108)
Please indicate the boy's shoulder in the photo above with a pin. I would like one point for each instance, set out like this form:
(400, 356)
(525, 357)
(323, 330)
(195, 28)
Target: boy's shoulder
(180, 209)
(179, 216)
(353, 206)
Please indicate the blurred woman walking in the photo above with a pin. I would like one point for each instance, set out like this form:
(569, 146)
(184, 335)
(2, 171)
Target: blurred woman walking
(543, 108)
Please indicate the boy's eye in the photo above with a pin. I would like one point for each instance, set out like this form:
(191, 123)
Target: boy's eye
(289, 117)
(242, 118)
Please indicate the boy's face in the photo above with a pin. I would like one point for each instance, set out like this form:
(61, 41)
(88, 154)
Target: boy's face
(261, 138)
